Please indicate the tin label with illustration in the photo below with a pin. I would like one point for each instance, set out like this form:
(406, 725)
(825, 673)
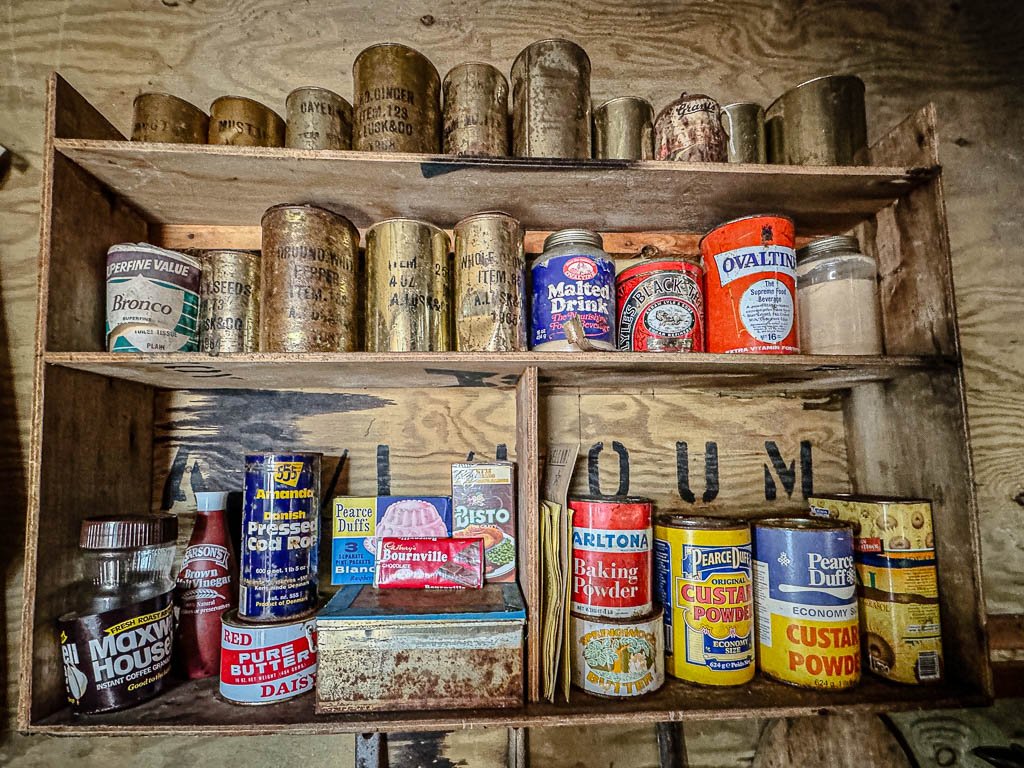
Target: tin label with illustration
(573, 286)
(620, 658)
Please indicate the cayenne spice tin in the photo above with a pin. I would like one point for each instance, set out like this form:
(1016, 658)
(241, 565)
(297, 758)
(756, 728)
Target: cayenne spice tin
(317, 119)
(660, 307)
(264, 664)
(618, 657)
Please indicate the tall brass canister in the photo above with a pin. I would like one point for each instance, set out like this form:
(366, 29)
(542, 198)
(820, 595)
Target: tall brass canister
(317, 119)
(624, 129)
(229, 301)
(407, 287)
(475, 111)
(744, 122)
(308, 281)
(397, 101)
(820, 122)
(244, 122)
(551, 100)
(490, 280)
(163, 117)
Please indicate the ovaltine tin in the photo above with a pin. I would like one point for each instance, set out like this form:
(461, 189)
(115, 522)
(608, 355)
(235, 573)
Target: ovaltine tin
(267, 664)
(702, 578)
(624, 129)
(806, 603)
(475, 117)
(229, 302)
(408, 290)
(244, 123)
(744, 122)
(317, 119)
(690, 129)
(611, 556)
(551, 100)
(490, 291)
(397, 100)
(618, 657)
(308, 281)
(820, 122)
(280, 536)
(162, 117)
(751, 285)
(660, 307)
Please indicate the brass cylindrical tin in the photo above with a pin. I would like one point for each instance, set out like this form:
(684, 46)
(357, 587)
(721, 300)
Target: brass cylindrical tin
(229, 302)
(820, 122)
(163, 117)
(624, 129)
(690, 129)
(490, 284)
(244, 122)
(317, 119)
(475, 111)
(397, 100)
(551, 100)
(744, 122)
(408, 307)
(308, 281)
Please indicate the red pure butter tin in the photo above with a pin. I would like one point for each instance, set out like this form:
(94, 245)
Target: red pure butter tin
(660, 307)
(266, 663)
(611, 556)
(430, 563)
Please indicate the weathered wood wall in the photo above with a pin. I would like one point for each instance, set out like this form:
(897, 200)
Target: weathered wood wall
(965, 56)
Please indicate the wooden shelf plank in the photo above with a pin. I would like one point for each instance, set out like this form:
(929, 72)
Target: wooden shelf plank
(232, 186)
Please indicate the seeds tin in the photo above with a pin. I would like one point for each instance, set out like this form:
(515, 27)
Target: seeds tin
(660, 307)
(624, 129)
(611, 556)
(280, 536)
(703, 580)
(751, 286)
(618, 658)
(429, 564)
(244, 122)
(229, 302)
(690, 129)
(317, 119)
(484, 505)
(269, 663)
(744, 122)
(166, 118)
(475, 116)
(805, 603)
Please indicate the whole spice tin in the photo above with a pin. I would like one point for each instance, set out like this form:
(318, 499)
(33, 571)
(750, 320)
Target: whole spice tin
(317, 119)
(624, 129)
(397, 100)
(490, 291)
(611, 556)
(690, 129)
(229, 302)
(280, 537)
(308, 281)
(166, 118)
(475, 116)
(819, 122)
(744, 122)
(264, 664)
(408, 307)
(703, 579)
(244, 122)
(751, 285)
(806, 603)
(660, 307)
(551, 100)
(618, 658)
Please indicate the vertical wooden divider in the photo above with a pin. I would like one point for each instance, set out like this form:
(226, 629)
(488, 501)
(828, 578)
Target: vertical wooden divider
(528, 530)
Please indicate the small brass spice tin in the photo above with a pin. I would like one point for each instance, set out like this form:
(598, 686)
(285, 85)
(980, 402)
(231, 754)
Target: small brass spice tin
(475, 115)
(166, 118)
(744, 122)
(229, 301)
(624, 129)
(317, 119)
(244, 122)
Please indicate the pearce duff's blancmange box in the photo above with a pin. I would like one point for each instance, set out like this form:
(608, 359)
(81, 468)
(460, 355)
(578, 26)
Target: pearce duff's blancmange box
(484, 502)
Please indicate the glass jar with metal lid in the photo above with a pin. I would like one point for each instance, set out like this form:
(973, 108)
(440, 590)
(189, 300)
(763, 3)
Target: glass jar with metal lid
(837, 297)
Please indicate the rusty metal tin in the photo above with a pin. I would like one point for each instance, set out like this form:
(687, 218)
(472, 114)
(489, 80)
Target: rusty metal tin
(408, 287)
(551, 100)
(397, 100)
(819, 122)
(490, 284)
(229, 302)
(475, 112)
(624, 129)
(317, 119)
(744, 122)
(308, 281)
(690, 129)
(244, 122)
(617, 658)
(166, 118)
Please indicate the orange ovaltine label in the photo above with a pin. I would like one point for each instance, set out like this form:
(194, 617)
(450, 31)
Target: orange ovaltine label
(750, 291)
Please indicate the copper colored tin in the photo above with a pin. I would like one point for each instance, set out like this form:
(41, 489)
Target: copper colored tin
(744, 122)
(317, 119)
(244, 122)
(820, 122)
(551, 100)
(166, 118)
(690, 129)
(229, 302)
(475, 111)
(624, 129)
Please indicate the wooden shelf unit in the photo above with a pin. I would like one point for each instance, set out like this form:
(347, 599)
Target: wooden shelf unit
(143, 432)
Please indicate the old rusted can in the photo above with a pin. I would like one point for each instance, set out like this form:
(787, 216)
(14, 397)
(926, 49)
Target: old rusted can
(490, 277)
(551, 100)
(308, 281)
(244, 122)
(820, 122)
(624, 129)
(229, 302)
(397, 100)
(163, 117)
(744, 122)
(475, 111)
(690, 129)
(317, 119)
(408, 287)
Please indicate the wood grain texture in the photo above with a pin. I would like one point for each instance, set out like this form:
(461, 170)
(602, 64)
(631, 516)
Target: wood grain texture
(861, 741)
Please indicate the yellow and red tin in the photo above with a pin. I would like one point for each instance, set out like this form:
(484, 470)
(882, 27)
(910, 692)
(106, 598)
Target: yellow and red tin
(660, 306)
(750, 288)
(618, 658)
(703, 580)
(611, 556)
(805, 597)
